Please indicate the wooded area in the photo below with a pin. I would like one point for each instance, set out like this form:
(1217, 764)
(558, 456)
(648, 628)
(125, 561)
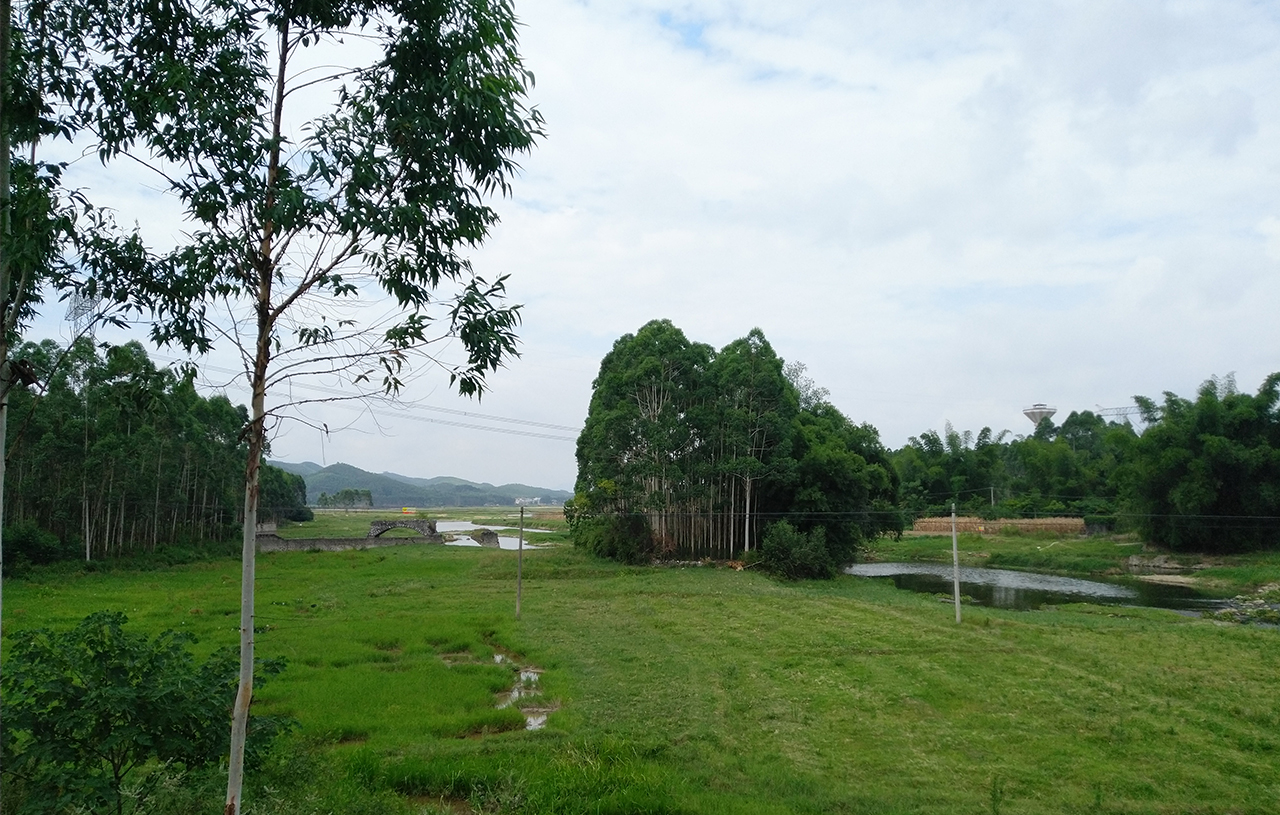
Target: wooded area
(1202, 476)
(1073, 469)
(117, 456)
(690, 452)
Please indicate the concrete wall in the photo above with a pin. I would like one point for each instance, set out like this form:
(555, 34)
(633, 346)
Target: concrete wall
(274, 543)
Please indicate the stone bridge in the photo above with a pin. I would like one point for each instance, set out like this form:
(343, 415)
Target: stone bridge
(423, 527)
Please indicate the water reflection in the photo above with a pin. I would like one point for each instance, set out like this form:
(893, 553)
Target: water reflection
(504, 541)
(467, 526)
(1003, 588)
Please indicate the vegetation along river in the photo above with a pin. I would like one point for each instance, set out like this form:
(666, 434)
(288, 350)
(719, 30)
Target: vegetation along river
(1004, 588)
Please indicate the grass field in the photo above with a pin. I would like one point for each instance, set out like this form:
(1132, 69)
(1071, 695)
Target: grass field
(704, 690)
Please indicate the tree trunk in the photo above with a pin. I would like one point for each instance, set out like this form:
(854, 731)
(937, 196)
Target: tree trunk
(155, 517)
(244, 693)
(10, 312)
(265, 270)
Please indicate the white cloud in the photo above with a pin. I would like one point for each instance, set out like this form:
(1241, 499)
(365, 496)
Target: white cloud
(947, 210)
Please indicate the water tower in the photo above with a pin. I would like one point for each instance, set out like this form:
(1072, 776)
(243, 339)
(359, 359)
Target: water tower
(1039, 412)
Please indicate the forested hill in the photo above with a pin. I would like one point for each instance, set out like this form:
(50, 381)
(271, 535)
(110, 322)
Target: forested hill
(394, 490)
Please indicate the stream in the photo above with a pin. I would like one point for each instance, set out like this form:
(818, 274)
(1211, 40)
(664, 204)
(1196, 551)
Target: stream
(504, 541)
(1005, 588)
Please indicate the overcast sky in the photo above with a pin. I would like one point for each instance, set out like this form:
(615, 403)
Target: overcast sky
(947, 211)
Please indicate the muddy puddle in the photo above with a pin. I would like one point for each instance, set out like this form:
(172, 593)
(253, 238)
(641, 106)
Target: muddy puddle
(525, 694)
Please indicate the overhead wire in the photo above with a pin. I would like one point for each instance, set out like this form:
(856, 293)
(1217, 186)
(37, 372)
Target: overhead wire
(403, 413)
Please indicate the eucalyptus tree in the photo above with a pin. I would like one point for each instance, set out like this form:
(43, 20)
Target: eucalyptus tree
(330, 209)
(757, 406)
(122, 455)
(37, 216)
(691, 450)
(635, 451)
(809, 393)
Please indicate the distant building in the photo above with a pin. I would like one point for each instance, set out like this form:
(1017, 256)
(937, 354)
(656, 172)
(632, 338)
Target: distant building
(1038, 412)
(528, 502)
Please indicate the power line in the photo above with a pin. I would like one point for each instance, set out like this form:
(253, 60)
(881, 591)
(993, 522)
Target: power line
(404, 414)
(482, 427)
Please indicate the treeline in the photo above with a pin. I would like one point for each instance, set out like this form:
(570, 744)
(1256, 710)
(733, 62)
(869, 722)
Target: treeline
(346, 499)
(691, 452)
(1203, 476)
(114, 456)
(1077, 469)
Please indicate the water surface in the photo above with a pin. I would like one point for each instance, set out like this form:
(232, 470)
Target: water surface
(467, 526)
(504, 541)
(1005, 588)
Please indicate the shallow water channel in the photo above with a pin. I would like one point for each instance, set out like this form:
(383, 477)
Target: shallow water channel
(504, 541)
(1005, 588)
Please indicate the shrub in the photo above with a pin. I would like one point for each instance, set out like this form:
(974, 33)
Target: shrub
(300, 515)
(619, 537)
(85, 708)
(797, 555)
(26, 544)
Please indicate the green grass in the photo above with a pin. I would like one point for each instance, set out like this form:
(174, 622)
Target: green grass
(1246, 572)
(1043, 552)
(703, 690)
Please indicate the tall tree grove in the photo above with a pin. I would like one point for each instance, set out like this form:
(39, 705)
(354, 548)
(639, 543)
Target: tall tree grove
(688, 451)
(115, 457)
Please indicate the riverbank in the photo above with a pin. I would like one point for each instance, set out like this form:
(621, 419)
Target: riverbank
(1082, 556)
(710, 690)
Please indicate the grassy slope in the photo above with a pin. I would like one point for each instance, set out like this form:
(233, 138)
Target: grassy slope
(709, 690)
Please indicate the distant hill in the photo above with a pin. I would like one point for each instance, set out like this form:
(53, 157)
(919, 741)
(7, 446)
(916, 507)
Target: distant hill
(395, 490)
(304, 469)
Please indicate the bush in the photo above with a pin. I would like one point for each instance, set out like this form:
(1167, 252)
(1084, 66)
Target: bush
(1099, 524)
(619, 537)
(26, 544)
(302, 515)
(85, 708)
(797, 555)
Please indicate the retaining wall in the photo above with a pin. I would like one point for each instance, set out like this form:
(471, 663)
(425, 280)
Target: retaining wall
(275, 543)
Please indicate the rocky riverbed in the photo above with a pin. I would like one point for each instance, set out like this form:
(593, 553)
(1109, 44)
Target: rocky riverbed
(1263, 606)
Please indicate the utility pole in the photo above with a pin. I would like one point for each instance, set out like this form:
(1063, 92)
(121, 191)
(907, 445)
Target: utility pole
(955, 561)
(520, 564)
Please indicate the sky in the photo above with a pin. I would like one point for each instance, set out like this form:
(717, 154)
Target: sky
(947, 211)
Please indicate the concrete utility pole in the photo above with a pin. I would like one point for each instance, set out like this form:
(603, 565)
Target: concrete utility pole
(520, 564)
(955, 561)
